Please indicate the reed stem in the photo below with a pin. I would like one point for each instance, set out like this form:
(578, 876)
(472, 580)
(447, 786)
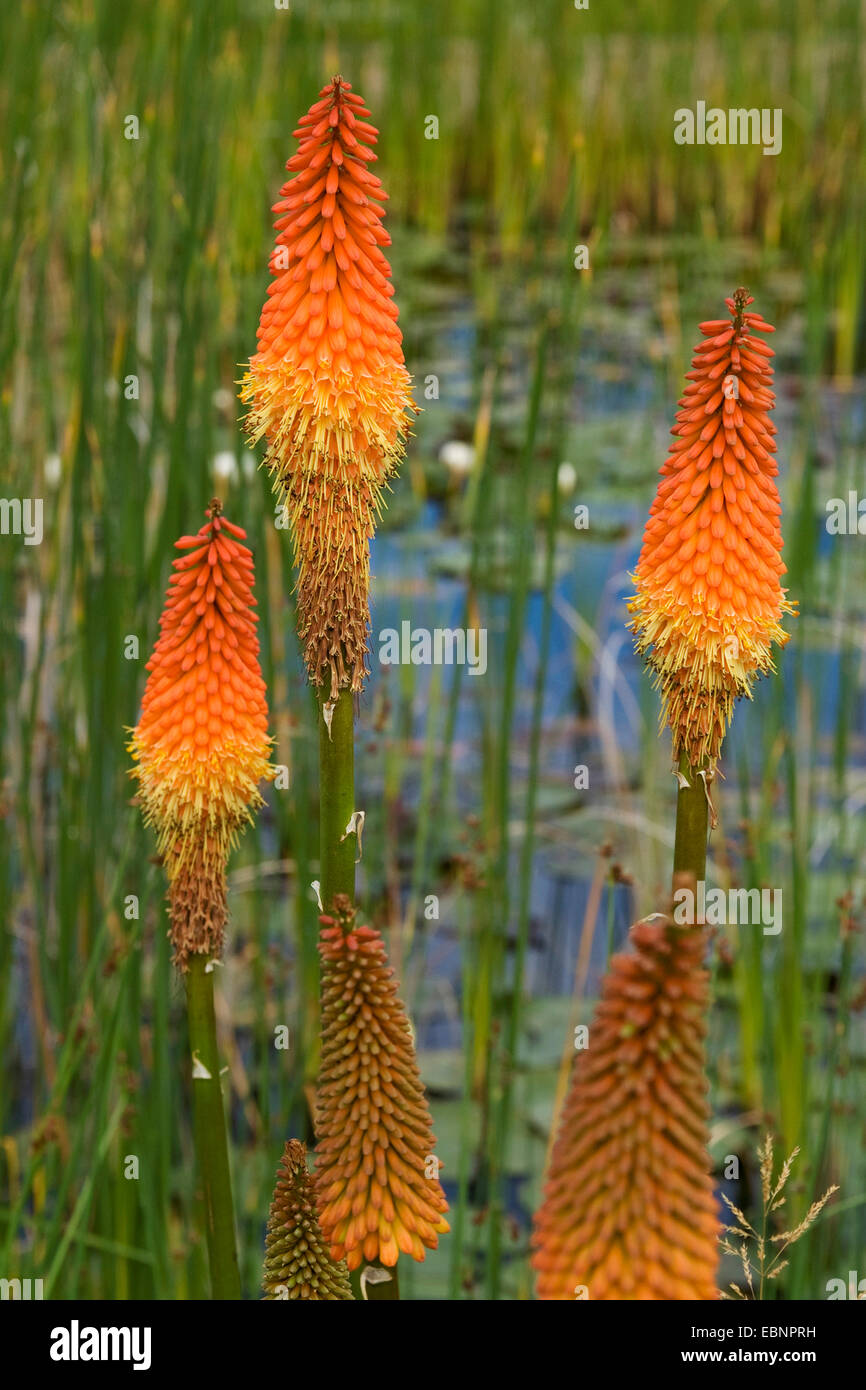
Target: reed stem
(209, 1124)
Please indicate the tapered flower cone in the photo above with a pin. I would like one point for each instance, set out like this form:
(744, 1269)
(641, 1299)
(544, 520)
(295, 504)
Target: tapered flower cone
(628, 1211)
(376, 1170)
(709, 601)
(328, 387)
(201, 745)
(298, 1264)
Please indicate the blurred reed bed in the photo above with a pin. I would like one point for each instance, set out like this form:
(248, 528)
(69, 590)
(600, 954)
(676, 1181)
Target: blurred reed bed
(144, 258)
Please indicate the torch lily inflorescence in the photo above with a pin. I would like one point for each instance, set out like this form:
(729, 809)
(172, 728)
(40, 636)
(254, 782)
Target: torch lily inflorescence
(376, 1172)
(329, 391)
(709, 601)
(328, 387)
(201, 745)
(629, 1211)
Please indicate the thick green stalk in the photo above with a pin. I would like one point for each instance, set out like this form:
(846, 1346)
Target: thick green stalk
(338, 846)
(338, 850)
(209, 1124)
(690, 845)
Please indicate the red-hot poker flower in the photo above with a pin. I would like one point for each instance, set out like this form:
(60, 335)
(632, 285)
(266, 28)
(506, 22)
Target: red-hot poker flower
(628, 1211)
(328, 387)
(709, 601)
(201, 745)
(297, 1262)
(376, 1171)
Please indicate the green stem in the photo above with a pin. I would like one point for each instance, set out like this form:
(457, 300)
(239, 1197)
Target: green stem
(338, 850)
(211, 1141)
(690, 845)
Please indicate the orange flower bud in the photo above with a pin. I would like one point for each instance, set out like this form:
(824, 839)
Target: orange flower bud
(297, 1262)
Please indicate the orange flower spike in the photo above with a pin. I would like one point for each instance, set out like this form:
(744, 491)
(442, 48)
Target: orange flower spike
(201, 745)
(709, 601)
(297, 1262)
(328, 387)
(628, 1210)
(375, 1141)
